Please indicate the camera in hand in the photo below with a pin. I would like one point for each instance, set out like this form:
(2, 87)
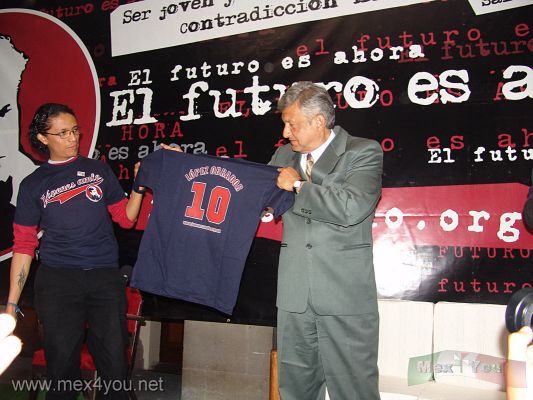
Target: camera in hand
(519, 310)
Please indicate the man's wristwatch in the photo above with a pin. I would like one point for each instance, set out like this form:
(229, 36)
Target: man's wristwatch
(297, 185)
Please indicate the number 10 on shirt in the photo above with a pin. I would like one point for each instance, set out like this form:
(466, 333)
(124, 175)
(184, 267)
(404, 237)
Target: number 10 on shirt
(217, 207)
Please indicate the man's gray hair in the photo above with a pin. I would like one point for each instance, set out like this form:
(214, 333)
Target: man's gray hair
(312, 99)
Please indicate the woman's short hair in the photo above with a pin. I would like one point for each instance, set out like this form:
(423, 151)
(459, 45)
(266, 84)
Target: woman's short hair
(41, 122)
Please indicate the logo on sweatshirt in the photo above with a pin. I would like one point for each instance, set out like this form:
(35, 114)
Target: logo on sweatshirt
(93, 193)
(90, 186)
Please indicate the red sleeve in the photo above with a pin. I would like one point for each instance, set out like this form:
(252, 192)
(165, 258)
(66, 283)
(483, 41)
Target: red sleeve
(118, 214)
(25, 239)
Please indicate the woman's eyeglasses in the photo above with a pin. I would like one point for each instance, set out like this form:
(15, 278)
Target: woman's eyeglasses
(65, 133)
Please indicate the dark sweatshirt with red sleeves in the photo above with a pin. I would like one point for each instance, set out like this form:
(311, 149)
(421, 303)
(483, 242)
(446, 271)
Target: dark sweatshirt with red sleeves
(71, 203)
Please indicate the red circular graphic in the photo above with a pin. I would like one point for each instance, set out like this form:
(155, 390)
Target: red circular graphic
(93, 193)
(58, 70)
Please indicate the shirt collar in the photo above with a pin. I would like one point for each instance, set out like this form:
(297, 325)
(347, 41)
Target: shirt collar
(62, 162)
(316, 153)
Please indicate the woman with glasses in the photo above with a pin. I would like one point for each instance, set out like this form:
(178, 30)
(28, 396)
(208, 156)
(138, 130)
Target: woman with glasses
(73, 200)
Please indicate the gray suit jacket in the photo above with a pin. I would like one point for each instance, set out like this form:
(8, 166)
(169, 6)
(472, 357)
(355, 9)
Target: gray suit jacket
(326, 254)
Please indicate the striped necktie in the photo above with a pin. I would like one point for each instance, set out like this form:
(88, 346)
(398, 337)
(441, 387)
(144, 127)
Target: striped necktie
(309, 166)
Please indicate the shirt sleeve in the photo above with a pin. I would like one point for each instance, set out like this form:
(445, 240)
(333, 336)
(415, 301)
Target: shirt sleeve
(118, 214)
(113, 191)
(151, 168)
(28, 211)
(25, 239)
(278, 199)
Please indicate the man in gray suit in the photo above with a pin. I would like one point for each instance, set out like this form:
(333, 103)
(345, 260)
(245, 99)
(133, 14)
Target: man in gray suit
(327, 303)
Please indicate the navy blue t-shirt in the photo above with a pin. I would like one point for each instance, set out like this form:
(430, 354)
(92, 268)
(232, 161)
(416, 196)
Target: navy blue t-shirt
(204, 217)
(68, 201)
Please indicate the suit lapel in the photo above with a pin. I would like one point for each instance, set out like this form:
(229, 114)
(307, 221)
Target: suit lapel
(330, 157)
(296, 157)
